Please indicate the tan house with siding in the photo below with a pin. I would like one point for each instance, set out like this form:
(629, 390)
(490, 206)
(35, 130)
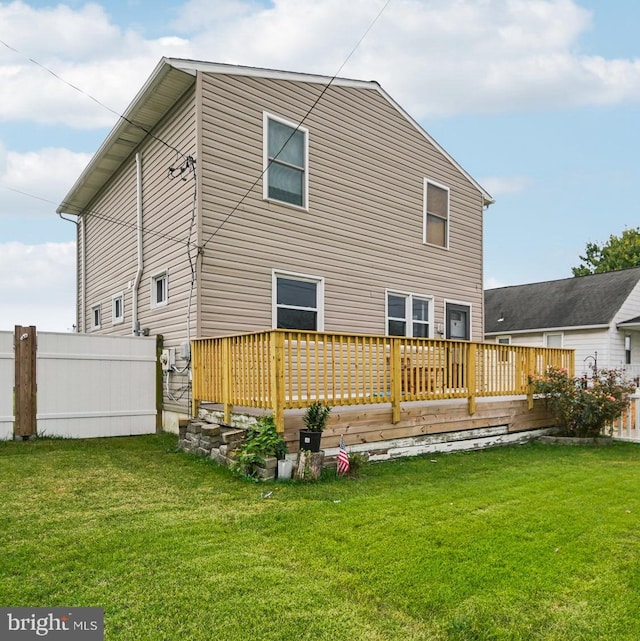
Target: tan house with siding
(231, 199)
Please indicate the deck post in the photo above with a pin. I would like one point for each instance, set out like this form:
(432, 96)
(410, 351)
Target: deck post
(531, 370)
(277, 379)
(471, 377)
(227, 390)
(396, 382)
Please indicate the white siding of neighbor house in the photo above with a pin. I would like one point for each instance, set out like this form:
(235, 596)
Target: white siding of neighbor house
(111, 236)
(362, 232)
(630, 309)
(585, 342)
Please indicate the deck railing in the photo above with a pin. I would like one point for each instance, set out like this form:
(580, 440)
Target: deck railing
(284, 369)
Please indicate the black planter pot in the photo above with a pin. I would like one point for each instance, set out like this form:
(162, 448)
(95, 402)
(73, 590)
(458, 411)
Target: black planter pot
(310, 440)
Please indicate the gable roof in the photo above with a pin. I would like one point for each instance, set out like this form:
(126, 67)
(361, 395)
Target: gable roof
(169, 81)
(584, 301)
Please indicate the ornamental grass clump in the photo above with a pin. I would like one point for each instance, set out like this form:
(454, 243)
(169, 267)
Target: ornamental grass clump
(583, 407)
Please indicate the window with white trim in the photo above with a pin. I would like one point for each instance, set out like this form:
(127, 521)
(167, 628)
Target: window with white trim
(503, 352)
(409, 315)
(298, 301)
(553, 339)
(285, 161)
(117, 309)
(435, 228)
(159, 289)
(96, 317)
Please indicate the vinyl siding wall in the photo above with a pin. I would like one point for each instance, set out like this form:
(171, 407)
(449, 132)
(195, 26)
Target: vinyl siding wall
(584, 342)
(363, 230)
(630, 309)
(111, 236)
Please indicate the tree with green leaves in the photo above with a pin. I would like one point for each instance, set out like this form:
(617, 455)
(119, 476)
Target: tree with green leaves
(619, 252)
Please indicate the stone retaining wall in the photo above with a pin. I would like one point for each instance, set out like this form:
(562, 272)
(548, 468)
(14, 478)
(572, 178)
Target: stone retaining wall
(217, 441)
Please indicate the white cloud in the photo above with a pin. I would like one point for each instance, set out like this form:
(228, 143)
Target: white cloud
(37, 285)
(47, 173)
(505, 185)
(436, 57)
(492, 283)
(83, 47)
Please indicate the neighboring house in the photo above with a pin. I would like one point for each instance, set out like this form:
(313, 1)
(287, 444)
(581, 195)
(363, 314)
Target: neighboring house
(194, 220)
(598, 316)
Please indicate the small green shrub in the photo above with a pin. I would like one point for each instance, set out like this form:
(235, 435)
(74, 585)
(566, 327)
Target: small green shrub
(357, 460)
(316, 416)
(260, 442)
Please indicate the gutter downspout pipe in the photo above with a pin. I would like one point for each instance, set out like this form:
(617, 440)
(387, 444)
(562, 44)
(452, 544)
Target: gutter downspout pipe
(136, 284)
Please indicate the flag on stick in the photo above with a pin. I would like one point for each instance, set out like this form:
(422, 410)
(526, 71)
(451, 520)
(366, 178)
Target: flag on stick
(343, 458)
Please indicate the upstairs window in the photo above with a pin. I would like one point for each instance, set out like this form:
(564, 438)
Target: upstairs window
(285, 162)
(298, 302)
(436, 214)
(409, 315)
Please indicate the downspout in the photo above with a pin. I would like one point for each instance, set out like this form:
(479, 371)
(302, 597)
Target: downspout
(83, 283)
(80, 238)
(136, 284)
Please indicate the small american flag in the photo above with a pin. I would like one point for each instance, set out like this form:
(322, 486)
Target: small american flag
(343, 458)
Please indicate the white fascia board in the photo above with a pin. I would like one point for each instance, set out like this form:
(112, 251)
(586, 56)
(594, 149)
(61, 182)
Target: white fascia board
(545, 330)
(488, 199)
(193, 66)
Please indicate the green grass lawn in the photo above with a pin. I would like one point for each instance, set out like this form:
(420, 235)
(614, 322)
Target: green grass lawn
(527, 542)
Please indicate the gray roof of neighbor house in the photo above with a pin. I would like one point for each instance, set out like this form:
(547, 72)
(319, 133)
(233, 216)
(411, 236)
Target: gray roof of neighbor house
(585, 301)
(171, 78)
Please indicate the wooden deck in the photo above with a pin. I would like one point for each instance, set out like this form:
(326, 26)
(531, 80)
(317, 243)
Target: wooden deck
(281, 370)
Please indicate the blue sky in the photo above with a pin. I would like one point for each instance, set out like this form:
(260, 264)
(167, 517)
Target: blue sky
(537, 99)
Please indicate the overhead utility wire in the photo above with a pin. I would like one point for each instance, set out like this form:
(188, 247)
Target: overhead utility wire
(101, 216)
(113, 111)
(313, 106)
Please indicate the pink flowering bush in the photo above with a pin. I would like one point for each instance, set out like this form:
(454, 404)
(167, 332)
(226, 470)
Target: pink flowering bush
(583, 407)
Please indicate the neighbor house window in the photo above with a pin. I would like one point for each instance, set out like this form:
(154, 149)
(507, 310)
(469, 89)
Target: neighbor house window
(553, 340)
(285, 161)
(117, 309)
(96, 317)
(409, 315)
(159, 289)
(503, 353)
(298, 301)
(436, 214)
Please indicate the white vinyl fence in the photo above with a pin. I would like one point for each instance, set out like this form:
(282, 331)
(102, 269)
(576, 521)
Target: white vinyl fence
(6, 385)
(627, 427)
(88, 386)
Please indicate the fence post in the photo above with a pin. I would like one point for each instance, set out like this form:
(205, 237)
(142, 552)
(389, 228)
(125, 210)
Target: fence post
(25, 388)
(471, 377)
(277, 379)
(396, 382)
(227, 383)
(159, 378)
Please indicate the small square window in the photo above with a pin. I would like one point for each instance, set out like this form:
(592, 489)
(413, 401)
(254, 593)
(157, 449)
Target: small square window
(159, 290)
(117, 309)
